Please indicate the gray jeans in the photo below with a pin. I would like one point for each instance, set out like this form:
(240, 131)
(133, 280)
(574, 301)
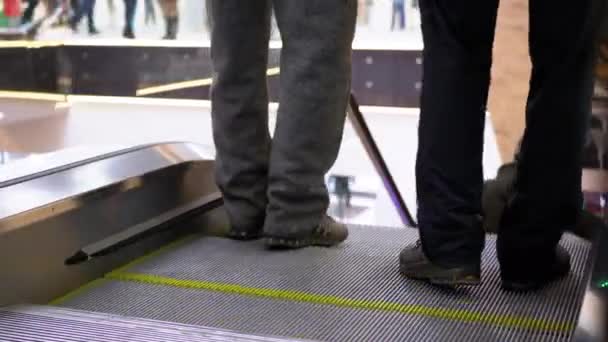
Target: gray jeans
(279, 183)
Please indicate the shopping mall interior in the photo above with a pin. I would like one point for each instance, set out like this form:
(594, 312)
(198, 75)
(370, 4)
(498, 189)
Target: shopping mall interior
(112, 226)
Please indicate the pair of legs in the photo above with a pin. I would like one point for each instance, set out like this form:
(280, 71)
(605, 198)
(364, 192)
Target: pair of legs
(130, 6)
(150, 12)
(84, 7)
(458, 39)
(170, 11)
(399, 11)
(278, 185)
(28, 14)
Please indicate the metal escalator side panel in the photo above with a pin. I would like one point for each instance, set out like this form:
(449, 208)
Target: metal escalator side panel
(30, 192)
(40, 323)
(144, 229)
(45, 220)
(592, 323)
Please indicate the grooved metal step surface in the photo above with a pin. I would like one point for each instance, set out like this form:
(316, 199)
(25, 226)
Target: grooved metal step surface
(351, 292)
(46, 324)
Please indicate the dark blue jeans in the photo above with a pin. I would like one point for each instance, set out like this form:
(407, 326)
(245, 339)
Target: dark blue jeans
(130, 6)
(458, 39)
(28, 14)
(398, 10)
(85, 7)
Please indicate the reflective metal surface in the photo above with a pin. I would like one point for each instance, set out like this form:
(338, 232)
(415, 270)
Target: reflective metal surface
(45, 220)
(29, 166)
(593, 319)
(41, 191)
(42, 323)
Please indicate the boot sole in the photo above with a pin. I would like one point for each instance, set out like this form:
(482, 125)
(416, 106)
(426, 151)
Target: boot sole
(513, 286)
(453, 278)
(279, 243)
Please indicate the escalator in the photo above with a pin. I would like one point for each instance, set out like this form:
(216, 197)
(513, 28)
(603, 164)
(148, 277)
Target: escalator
(128, 246)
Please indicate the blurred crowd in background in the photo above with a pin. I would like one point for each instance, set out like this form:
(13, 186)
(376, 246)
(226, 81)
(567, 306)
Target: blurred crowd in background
(73, 12)
(82, 15)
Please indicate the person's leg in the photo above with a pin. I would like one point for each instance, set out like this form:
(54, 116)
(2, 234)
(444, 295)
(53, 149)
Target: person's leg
(547, 197)
(393, 13)
(315, 84)
(402, 16)
(164, 10)
(239, 100)
(150, 12)
(28, 14)
(457, 56)
(174, 19)
(91, 18)
(171, 18)
(164, 6)
(74, 7)
(82, 8)
(130, 6)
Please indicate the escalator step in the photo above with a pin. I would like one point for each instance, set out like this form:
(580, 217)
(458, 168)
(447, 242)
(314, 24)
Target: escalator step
(46, 324)
(352, 292)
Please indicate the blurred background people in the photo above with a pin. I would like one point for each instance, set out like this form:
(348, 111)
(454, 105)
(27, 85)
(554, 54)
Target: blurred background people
(85, 7)
(171, 14)
(130, 6)
(399, 12)
(28, 14)
(150, 13)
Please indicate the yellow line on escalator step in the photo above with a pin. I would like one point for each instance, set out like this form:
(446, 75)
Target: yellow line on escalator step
(152, 254)
(88, 286)
(97, 282)
(508, 321)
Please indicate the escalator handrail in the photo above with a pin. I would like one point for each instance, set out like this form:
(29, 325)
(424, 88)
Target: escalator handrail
(374, 154)
(86, 161)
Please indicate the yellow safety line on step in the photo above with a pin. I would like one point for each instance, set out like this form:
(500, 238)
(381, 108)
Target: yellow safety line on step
(187, 84)
(137, 261)
(157, 252)
(508, 321)
(78, 291)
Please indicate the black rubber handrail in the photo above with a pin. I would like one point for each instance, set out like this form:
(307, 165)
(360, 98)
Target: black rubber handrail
(367, 139)
(152, 226)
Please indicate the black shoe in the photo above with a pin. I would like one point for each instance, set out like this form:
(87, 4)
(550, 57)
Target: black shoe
(328, 233)
(559, 268)
(414, 264)
(93, 31)
(128, 33)
(73, 25)
(171, 29)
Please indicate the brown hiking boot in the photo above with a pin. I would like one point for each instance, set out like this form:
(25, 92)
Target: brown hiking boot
(328, 233)
(414, 264)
